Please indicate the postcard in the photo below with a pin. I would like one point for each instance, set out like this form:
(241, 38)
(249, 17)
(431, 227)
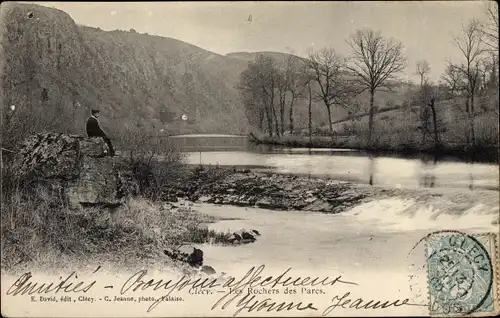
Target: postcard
(237, 159)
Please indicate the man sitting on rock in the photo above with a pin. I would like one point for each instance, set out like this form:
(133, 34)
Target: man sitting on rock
(94, 130)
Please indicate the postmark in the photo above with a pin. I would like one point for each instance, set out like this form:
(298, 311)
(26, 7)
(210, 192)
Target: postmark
(461, 273)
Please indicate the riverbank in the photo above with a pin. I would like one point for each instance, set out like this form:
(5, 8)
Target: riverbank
(137, 234)
(479, 153)
(47, 236)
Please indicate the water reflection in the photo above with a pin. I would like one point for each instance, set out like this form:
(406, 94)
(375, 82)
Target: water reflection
(350, 165)
(427, 177)
(471, 179)
(371, 170)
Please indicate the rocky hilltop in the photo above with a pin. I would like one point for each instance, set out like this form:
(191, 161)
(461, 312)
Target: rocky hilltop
(52, 65)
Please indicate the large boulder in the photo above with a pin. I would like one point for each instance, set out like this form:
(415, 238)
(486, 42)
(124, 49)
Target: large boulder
(76, 165)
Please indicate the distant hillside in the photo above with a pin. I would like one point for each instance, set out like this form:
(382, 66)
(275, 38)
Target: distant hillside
(55, 71)
(250, 56)
(50, 64)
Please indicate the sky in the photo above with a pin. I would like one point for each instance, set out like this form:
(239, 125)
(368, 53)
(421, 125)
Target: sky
(426, 28)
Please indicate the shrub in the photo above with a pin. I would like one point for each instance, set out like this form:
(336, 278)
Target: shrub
(40, 231)
(487, 131)
(154, 160)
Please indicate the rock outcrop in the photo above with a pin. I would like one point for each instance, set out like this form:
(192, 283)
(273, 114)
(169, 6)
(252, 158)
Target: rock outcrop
(56, 69)
(75, 166)
(268, 191)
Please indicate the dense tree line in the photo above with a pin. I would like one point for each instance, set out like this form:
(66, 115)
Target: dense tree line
(270, 88)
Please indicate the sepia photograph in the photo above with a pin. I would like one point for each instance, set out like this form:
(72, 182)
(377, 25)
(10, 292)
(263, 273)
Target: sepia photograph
(250, 158)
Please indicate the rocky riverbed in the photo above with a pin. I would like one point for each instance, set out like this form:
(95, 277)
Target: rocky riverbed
(273, 191)
(269, 191)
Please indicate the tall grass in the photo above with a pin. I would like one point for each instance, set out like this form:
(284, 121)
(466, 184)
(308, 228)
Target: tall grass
(39, 230)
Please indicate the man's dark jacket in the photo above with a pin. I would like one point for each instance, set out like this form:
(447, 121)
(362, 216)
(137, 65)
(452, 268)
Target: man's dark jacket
(93, 129)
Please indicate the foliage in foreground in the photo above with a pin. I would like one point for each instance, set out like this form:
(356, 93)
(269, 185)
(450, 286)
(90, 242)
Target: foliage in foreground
(39, 231)
(38, 228)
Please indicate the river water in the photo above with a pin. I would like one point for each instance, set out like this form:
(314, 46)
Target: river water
(372, 244)
(376, 246)
(341, 164)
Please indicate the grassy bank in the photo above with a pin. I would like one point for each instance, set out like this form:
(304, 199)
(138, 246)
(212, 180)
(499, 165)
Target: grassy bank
(487, 153)
(40, 232)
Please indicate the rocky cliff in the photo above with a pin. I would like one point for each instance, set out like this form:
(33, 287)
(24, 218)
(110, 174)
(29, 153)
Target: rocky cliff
(55, 71)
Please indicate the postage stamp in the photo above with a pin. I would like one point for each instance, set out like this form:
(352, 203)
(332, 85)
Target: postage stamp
(461, 273)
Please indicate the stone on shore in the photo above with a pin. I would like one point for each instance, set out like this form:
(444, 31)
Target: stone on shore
(209, 270)
(77, 167)
(187, 254)
(205, 198)
(243, 237)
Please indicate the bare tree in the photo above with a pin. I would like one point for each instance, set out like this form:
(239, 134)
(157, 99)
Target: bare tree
(282, 85)
(307, 80)
(422, 69)
(269, 77)
(309, 111)
(485, 70)
(488, 82)
(297, 81)
(491, 27)
(375, 61)
(488, 65)
(252, 97)
(470, 44)
(258, 86)
(453, 79)
(327, 69)
(429, 95)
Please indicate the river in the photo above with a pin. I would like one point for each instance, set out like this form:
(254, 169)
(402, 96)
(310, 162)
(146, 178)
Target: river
(372, 244)
(340, 164)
